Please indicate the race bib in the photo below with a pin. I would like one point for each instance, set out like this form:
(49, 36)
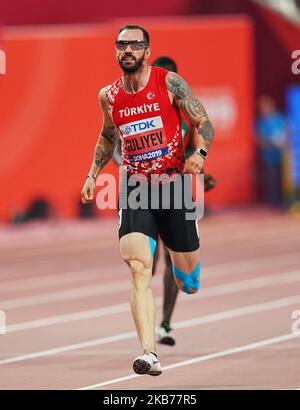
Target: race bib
(144, 139)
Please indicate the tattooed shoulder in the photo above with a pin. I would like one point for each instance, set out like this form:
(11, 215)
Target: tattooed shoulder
(102, 97)
(189, 104)
(178, 86)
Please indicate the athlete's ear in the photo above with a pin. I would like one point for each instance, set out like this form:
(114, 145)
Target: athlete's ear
(148, 52)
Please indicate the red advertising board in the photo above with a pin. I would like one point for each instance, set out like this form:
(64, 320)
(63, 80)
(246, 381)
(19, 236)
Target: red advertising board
(50, 118)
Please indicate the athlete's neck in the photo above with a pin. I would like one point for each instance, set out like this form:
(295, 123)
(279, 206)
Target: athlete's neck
(135, 82)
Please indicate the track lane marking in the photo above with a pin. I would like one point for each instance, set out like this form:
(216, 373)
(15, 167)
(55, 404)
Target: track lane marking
(238, 349)
(228, 314)
(213, 291)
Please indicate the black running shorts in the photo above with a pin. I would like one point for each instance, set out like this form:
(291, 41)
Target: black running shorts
(176, 231)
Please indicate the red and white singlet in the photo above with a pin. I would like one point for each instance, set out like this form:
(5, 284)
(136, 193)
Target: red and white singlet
(148, 125)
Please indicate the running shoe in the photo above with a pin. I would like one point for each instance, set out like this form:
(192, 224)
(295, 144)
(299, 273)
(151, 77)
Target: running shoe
(163, 335)
(148, 363)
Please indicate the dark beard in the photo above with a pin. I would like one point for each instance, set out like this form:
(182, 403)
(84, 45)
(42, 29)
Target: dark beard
(134, 68)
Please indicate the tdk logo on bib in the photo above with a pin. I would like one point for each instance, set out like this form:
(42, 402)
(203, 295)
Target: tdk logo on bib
(144, 140)
(146, 125)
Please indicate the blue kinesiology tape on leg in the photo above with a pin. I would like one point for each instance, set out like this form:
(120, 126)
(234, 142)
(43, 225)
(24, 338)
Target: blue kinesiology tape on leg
(190, 281)
(152, 243)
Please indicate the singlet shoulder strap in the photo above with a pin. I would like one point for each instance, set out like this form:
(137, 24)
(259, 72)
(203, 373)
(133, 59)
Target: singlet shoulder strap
(160, 75)
(112, 90)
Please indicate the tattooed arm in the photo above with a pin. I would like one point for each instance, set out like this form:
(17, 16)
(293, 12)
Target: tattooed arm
(192, 107)
(104, 149)
(181, 93)
(107, 140)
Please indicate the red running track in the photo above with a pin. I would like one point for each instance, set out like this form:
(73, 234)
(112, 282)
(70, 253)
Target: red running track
(65, 292)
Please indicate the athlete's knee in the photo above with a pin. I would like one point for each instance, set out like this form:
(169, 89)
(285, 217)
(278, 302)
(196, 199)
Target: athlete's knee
(188, 282)
(140, 273)
(135, 253)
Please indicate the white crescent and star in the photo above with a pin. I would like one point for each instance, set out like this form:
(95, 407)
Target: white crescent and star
(151, 95)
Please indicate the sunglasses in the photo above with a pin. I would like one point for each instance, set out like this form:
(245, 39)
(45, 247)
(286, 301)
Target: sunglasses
(121, 45)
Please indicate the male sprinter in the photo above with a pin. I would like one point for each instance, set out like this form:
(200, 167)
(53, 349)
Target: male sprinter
(164, 332)
(153, 96)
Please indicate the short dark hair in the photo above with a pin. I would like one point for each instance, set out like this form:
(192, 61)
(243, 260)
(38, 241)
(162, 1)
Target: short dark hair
(165, 62)
(135, 27)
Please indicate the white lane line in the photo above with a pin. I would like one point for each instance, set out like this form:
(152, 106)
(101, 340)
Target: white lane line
(68, 348)
(246, 265)
(70, 277)
(211, 227)
(110, 253)
(246, 310)
(46, 280)
(228, 314)
(69, 317)
(85, 291)
(238, 349)
(210, 236)
(229, 288)
(64, 295)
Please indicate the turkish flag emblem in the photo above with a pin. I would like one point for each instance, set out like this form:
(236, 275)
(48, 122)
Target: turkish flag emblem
(151, 95)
